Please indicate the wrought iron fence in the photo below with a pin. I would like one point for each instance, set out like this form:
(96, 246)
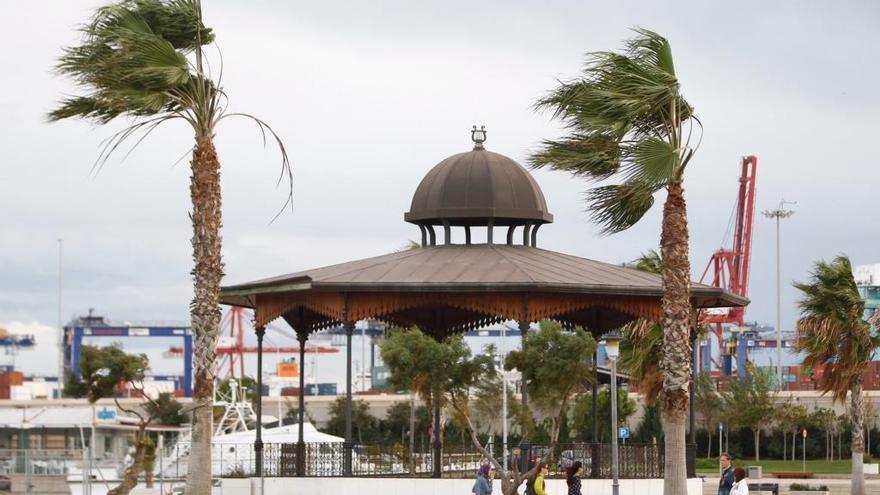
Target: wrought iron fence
(635, 461)
(329, 459)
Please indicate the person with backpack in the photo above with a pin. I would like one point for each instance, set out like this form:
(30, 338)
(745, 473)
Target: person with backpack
(573, 477)
(483, 485)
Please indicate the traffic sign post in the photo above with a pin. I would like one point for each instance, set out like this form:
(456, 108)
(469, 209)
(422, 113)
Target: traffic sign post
(623, 433)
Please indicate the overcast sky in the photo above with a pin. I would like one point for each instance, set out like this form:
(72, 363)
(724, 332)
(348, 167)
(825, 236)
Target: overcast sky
(368, 96)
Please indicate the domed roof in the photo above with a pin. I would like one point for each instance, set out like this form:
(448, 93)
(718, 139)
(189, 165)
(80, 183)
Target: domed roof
(477, 186)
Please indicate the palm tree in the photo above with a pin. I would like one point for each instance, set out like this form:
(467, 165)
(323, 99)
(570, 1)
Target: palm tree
(629, 127)
(143, 59)
(832, 333)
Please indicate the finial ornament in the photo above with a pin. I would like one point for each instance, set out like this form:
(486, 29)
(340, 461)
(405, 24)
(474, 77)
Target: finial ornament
(478, 136)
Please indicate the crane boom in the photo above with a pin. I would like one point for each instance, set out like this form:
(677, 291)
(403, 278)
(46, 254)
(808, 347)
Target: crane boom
(730, 267)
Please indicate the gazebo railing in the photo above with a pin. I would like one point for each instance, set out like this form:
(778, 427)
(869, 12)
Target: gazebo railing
(636, 461)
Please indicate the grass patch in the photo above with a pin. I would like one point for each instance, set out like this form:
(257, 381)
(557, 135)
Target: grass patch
(710, 466)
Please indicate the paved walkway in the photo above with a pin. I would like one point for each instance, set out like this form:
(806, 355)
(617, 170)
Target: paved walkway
(836, 486)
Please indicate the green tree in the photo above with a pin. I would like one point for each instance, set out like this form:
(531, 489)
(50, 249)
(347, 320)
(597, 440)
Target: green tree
(149, 464)
(397, 420)
(486, 401)
(429, 368)
(709, 405)
(102, 372)
(832, 333)
(630, 128)
(583, 413)
(825, 419)
(790, 418)
(363, 423)
(751, 398)
(650, 429)
(554, 366)
(144, 60)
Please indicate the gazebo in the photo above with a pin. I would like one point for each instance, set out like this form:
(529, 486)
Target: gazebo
(447, 287)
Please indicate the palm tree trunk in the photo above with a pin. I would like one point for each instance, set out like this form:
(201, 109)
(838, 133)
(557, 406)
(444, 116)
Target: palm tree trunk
(205, 307)
(857, 409)
(676, 363)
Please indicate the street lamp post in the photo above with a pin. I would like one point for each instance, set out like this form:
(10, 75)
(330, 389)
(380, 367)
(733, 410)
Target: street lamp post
(779, 213)
(612, 350)
(804, 439)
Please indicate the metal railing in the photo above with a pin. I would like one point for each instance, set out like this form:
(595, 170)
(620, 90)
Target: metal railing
(636, 461)
(329, 460)
(37, 462)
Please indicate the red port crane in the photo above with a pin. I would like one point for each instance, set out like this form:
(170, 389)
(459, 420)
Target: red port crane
(730, 266)
(231, 349)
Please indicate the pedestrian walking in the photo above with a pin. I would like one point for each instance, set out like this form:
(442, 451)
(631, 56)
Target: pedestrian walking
(483, 485)
(573, 477)
(741, 483)
(542, 473)
(726, 483)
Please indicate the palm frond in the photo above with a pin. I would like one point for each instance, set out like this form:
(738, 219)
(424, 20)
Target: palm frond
(831, 331)
(286, 170)
(594, 156)
(618, 207)
(639, 356)
(653, 162)
(649, 261)
(625, 121)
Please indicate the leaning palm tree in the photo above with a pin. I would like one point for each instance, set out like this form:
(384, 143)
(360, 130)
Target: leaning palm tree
(144, 60)
(629, 127)
(832, 333)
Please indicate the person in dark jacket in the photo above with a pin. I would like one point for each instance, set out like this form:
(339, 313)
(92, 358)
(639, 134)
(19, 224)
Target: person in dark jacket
(483, 485)
(727, 480)
(573, 477)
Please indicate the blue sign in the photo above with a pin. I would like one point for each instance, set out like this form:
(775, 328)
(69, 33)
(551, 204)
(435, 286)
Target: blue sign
(105, 414)
(623, 432)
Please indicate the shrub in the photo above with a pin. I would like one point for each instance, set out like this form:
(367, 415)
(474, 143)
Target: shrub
(803, 487)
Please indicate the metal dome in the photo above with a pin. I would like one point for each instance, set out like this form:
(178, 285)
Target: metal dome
(478, 188)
